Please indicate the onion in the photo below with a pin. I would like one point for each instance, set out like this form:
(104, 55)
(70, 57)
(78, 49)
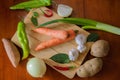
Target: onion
(36, 67)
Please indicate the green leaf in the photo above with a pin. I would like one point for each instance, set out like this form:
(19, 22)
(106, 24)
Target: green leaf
(60, 58)
(92, 37)
(35, 14)
(34, 21)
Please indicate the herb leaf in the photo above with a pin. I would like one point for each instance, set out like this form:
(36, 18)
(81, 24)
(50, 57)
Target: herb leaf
(35, 14)
(92, 37)
(60, 58)
(34, 21)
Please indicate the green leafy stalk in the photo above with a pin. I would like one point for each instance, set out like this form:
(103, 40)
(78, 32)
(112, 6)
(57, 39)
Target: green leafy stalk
(87, 24)
(104, 27)
(32, 4)
(78, 21)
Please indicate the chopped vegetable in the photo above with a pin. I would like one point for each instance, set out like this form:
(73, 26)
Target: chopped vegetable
(87, 24)
(36, 67)
(34, 20)
(32, 4)
(55, 41)
(61, 34)
(12, 52)
(64, 68)
(60, 58)
(64, 10)
(22, 37)
(73, 54)
(92, 37)
(47, 13)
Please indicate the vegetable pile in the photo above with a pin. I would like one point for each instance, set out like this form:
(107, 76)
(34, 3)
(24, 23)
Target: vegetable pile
(36, 67)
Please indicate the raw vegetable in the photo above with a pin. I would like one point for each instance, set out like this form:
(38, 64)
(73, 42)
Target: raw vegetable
(61, 34)
(100, 48)
(12, 52)
(60, 58)
(80, 39)
(64, 10)
(34, 20)
(92, 37)
(36, 67)
(87, 24)
(64, 68)
(90, 67)
(73, 54)
(32, 4)
(22, 37)
(47, 13)
(55, 41)
(81, 48)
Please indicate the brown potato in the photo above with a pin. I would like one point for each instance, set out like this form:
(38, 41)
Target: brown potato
(12, 52)
(90, 67)
(100, 48)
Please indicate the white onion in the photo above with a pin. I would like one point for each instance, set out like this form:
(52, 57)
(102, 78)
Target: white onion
(64, 10)
(36, 67)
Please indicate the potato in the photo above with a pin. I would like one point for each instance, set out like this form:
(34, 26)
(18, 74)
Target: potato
(90, 67)
(100, 48)
(12, 52)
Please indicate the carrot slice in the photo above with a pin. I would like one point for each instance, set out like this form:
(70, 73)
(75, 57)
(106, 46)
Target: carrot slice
(61, 34)
(55, 41)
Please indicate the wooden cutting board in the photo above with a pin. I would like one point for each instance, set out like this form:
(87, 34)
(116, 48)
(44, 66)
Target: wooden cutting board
(35, 39)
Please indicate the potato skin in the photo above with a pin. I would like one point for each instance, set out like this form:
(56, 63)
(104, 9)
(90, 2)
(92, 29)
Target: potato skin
(90, 67)
(100, 48)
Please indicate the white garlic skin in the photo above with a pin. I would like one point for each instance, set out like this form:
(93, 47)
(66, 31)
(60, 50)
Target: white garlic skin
(81, 48)
(73, 54)
(80, 39)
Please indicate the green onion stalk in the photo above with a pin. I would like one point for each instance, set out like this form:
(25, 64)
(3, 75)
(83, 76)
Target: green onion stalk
(87, 24)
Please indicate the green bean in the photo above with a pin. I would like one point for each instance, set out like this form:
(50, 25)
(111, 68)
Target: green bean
(22, 37)
(31, 4)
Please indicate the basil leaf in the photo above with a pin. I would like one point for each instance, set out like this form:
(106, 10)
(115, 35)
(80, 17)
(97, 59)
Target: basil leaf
(92, 37)
(34, 21)
(60, 58)
(35, 14)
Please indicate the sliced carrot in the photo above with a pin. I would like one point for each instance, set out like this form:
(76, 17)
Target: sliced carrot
(61, 34)
(55, 41)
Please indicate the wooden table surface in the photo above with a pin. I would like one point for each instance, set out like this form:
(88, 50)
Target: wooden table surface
(107, 11)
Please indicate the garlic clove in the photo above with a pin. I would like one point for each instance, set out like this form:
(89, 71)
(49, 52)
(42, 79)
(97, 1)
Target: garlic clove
(73, 54)
(81, 48)
(80, 39)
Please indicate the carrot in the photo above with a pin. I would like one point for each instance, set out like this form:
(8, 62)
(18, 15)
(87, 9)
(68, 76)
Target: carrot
(61, 34)
(55, 41)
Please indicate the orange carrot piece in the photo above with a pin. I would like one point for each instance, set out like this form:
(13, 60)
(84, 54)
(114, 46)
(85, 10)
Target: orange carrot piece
(55, 41)
(61, 34)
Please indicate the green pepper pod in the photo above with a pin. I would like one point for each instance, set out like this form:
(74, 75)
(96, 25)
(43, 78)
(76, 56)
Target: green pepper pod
(87, 24)
(22, 37)
(32, 4)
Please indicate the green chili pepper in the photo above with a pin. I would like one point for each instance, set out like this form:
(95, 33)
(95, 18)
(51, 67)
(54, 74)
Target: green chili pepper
(22, 37)
(32, 4)
(87, 24)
